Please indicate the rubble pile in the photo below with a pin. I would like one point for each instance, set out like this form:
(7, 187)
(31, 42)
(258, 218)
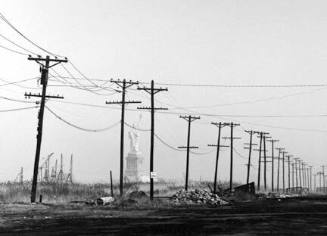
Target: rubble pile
(201, 197)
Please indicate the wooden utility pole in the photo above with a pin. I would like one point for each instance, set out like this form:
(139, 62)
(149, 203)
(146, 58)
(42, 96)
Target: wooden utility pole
(303, 175)
(300, 176)
(296, 160)
(111, 187)
(123, 85)
(71, 169)
(61, 171)
(45, 66)
(323, 178)
(265, 161)
(189, 120)
(152, 91)
(320, 182)
(261, 137)
(259, 167)
(218, 145)
(284, 171)
(273, 141)
(278, 166)
(251, 133)
(310, 170)
(55, 170)
(293, 173)
(231, 125)
(289, 170)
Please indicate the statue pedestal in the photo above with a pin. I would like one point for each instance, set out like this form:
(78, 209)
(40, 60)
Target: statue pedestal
(133, 164)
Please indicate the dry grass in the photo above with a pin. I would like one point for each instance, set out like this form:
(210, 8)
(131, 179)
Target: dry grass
(63, 193)
(51, 192)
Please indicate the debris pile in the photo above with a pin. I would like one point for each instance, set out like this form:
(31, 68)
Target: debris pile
(105, 201)
(201, 197)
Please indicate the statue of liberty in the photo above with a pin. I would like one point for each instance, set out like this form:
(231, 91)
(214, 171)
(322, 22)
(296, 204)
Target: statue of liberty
(133, 159)
(134, 141)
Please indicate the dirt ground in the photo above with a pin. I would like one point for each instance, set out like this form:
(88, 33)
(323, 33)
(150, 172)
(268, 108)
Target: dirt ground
(267, 217)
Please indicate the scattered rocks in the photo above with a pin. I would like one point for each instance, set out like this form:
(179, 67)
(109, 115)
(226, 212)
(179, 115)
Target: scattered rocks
(200, 197)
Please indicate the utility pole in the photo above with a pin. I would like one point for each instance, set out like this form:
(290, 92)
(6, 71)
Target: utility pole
(56, 168)
(45, 66)
(259, 167)
(152, 91)
(310, 170)
(323, 178)
(189, 120)
(303, 175)
(250, 132)
(284, 171)
(265, 162)
(71, 169)
(261, 136)
(231, 125)
(123, 85)
(296, 171)
(289, 171)
(61, 171)
(278, 166)
(307, 176)
(320, 183)
(218, 145)
(315, 182)
(111, 187)
(300, 176)
(273, 141)
(293, 173)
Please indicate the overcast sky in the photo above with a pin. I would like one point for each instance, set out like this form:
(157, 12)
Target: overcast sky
(228, 42)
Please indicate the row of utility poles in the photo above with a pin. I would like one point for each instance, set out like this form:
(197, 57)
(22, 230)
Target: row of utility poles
(220, 125)
(297, 167)
(299, 174)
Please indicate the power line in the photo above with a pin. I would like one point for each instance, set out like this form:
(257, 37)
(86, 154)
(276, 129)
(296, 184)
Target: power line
(17, 45)
(167, 144)
(70, 74)
(81, 128)
(243, 102)
(2, 17)
(14, 100)
(82, 74)
(216, 115)
(14, 51)
(242, 85)
(19, 109)
(202, 114)
(68, 84)
(139, 129)
(287, 128)
(239, 154)
(17, 82)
